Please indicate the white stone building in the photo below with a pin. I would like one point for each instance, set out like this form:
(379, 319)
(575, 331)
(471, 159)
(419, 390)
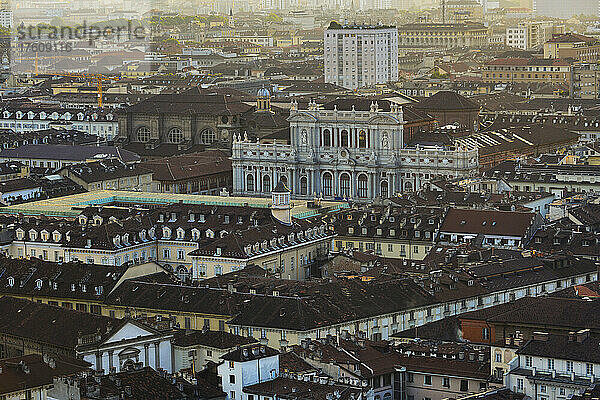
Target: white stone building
(358, 56)
(132, 345)
(247, 366)
(346, 149)
(555, 367)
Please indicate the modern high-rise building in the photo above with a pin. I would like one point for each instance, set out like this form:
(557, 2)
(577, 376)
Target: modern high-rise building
(360, 56)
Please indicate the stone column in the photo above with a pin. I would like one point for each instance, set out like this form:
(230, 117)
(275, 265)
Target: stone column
(146, 355)
(98, 361)
(110, 360)
(156, 355)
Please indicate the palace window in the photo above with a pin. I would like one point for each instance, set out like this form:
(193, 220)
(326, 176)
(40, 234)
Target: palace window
(363, 186)
(362, 139)
(327, 184)
(175, 136)
(345, 185)
(250, 183)
(143, 134)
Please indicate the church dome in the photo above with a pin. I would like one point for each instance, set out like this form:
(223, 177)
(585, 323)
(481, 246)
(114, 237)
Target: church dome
(263, 93)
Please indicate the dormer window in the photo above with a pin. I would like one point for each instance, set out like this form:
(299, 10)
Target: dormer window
(392, 232)
(166, 233)
(38, 284)
(32, 235)
(20, 234)
(195, 234)
(392, 219)
(45, 236)
(364, 231)
(180, 233)
(538, 240)
(417, 234)
(350, 230)
(210, 234)
(11, 281)
(226, 219)
(73, 287)
(201, 218)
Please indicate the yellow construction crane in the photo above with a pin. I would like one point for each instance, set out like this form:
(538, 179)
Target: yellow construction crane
(98, 77)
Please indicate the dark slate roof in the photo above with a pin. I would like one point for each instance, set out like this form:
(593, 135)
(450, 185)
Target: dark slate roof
(248, 353)
(189, 166)
(500, 394)
(195, 101)
(216, 339)
(447, 101)
(288, 389)
(49, 324)
(105, 170)
(487, 222)
(564, 347)
(144, 384)
(545, 312)
(446, 329)
(68, 153)
(41, 371)
(281, 188)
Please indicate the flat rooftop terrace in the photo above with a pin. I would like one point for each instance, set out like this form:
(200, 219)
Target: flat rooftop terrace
(71, 206)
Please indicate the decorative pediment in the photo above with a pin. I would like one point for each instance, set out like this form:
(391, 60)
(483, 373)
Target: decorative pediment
(384, 120)
(302, 117)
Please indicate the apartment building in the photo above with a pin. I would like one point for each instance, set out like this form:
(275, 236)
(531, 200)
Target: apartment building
(532, 34)
(555, 367)
(523, 70)
(359, 56)
(445, 36)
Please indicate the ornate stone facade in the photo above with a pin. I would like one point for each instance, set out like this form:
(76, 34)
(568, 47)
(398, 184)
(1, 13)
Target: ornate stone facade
(351, 152)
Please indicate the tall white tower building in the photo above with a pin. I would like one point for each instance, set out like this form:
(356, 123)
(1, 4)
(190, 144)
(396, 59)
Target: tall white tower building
(359, 56)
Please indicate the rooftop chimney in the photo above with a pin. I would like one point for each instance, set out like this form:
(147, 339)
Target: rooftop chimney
(541, 336)
(582, 335)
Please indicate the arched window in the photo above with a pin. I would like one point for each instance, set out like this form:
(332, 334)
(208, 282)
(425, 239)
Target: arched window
(175, 135)
(283, 179)
(266, 184)
(250, 183)
(362, 139)
(303, 185)
(207, 136)
(327, 184)
(384, 190)
(326, 138)
(363, 186)
(344, 138)
(345, 186)
(143, 134)
(408, 186)
(183, 273)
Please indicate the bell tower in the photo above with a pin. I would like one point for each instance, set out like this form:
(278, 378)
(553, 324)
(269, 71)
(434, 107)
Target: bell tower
(281, 208)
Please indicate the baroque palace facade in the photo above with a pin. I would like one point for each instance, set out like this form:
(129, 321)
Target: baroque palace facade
(346, 150)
